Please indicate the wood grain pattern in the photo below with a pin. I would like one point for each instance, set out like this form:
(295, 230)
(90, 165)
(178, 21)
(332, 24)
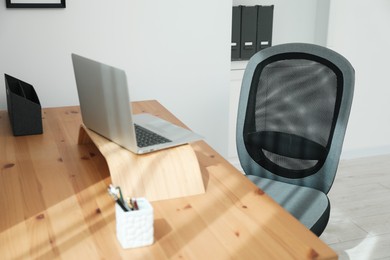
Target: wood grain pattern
(54, 204)
(166, 174)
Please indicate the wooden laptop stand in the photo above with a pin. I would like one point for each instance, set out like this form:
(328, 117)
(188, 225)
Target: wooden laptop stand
(166, 174)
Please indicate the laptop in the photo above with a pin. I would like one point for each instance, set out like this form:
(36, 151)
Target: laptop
(105, 109)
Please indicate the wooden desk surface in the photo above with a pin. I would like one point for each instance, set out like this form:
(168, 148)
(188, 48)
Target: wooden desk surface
(54, 204)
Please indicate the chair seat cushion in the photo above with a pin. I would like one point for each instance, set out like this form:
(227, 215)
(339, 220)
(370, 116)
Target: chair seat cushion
(310, 206)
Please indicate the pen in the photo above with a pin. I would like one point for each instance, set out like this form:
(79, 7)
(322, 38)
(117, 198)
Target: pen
(122, 205)
(121, 198)
(135, 204)
(129, 203)
(113, 192)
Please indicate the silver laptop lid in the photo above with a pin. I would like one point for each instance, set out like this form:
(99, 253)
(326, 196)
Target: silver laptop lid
(105, 108)
(104, 100)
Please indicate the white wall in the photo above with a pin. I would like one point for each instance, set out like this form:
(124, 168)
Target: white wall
(359, 29)
(296, 21)
(165, 49)
(177, 52)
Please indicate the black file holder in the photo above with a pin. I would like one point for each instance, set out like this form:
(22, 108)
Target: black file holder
(251, 30)
(236, 33)
(24, 108)
(265, 18)
(248, 31)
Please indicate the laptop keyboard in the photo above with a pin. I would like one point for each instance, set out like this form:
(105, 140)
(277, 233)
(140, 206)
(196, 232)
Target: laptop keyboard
(146, 137)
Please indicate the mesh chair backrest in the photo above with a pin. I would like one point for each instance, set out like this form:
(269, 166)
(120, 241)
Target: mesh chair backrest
(293, 102)
(292, 108)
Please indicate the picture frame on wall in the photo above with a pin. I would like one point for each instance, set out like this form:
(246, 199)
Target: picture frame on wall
(35, 3)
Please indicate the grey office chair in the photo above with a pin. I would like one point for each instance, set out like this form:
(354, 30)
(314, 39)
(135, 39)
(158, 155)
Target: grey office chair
(293, 111)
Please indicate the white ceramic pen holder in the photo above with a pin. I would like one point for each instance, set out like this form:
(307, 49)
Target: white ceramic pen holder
(135, 228)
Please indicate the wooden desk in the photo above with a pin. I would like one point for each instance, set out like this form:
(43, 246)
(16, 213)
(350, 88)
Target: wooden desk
(54, 204)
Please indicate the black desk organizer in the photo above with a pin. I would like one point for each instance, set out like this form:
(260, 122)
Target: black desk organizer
(24, 108)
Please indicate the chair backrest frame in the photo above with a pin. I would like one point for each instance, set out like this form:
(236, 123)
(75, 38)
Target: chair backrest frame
(324, 175)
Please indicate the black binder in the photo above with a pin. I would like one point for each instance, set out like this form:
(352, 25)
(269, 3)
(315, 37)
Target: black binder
(248, 31)
(236, 33)
(264, 26)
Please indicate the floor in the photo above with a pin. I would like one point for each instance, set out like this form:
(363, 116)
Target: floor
(359, 225)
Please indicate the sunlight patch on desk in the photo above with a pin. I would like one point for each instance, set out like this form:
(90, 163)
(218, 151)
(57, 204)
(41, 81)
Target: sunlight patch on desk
(57, 228)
